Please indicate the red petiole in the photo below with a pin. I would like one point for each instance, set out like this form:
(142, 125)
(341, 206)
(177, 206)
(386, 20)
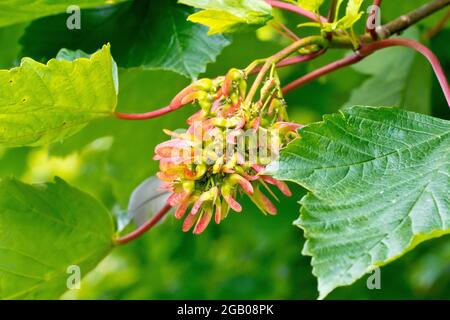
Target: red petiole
(145, 227)
(368, 49)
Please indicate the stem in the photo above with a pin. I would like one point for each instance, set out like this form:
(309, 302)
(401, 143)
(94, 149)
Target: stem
(368, 49)
(373, 31)
(144, 228)
(288, 31)
(323, 71)
(280, 56)
(293, 60)
(294, 8)
(145, 116)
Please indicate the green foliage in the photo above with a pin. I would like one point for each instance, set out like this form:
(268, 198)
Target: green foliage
(227, 16)
(45, 230)
(46, 103)
(15, 11)
(178, 45)
(400, 160)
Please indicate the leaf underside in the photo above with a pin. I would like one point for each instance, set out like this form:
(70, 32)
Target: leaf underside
(379, 182)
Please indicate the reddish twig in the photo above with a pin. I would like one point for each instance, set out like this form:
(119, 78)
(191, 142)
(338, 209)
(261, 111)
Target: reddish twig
(323, 71)
(294, 8)
(278, 28)
(293, 60)
(372, 15)
(184, 97)
(368, 49)
(145, 116)
(288, 31)
(145, 227)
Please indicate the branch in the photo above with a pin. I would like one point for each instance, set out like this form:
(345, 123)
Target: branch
(284, 31)
(407, 20)
(384, 31)
(145, 227)
(144, 116)
(367, 50)
(323, 71)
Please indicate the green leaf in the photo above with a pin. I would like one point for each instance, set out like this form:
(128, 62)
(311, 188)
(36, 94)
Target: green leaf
(40, 104)
(398, 77)
(15, 11)
(379, 182)
(44, 230)
(352, 14)
(227, 16)
(140, 35)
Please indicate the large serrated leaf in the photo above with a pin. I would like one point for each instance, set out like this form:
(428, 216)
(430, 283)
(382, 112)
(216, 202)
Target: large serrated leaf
(15, 11)
(379, 182)
(40, 104)
(44, 230)
(226, 16)
(149, 34)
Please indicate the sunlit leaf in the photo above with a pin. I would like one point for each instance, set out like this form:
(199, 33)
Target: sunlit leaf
(226, 16)
(40, 104)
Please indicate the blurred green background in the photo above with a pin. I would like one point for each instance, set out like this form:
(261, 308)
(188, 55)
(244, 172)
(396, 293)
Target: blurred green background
(249, 256)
